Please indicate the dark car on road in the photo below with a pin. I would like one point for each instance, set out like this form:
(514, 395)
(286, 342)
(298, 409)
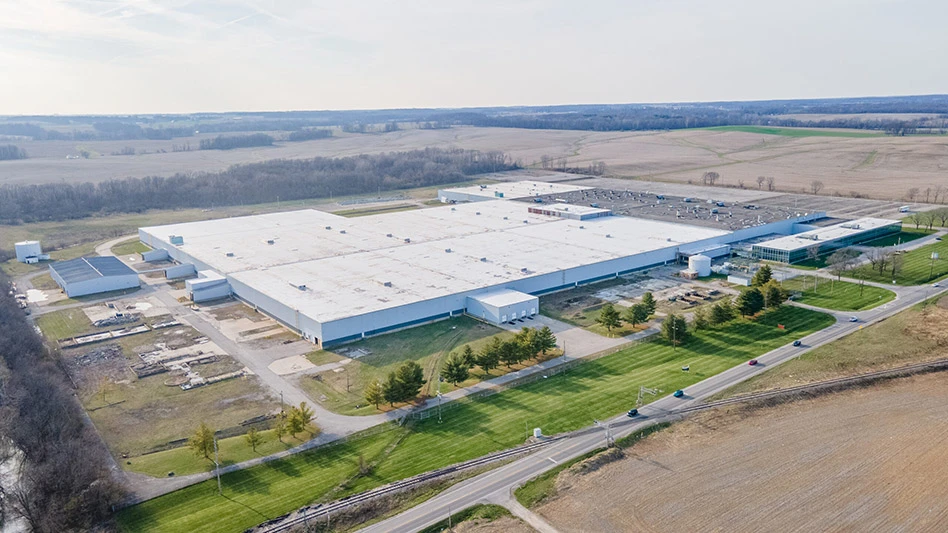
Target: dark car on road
(679, 393)
(632, 412)
(797, 343)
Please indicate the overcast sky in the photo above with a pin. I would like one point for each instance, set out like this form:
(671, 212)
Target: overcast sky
(143, 56)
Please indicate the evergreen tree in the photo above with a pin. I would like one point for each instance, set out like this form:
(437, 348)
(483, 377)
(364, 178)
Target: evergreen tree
(374, 393)
(722, 312)
(510, 353)
(637, 314)
(545, 340)
(675, 329)
(410, 378)
(455, 369)
(750, 302)
(762, 276)
(609, 317)
(468, 355)
(489, 357)
(649, 301)
(701, 319)
(392, 389)
(774, 294)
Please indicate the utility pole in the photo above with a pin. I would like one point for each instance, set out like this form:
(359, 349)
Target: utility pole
(610, 442)
(217, 466)
(282, 405)
(439, 406)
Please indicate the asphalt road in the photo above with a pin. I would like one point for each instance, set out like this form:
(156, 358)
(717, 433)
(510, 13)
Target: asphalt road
(497, 484)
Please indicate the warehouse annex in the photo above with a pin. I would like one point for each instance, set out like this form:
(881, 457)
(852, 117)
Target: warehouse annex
(334, 279)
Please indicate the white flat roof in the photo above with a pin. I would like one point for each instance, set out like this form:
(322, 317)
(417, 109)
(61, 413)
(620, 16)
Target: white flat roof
(365, 270)
(828, 234)
(517, 189)
(504, 297)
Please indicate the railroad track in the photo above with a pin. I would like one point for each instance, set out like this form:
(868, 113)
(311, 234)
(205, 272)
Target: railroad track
(317, 512)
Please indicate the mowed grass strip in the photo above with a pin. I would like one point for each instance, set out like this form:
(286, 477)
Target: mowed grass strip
(837, 295)
(130, 247)
(568, 401)
(65, 324)
(917, 268)
(796, 132)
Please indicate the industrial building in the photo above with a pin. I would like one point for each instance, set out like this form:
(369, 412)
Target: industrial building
(30, 252)
(795, 248)
(334, 279)
(510, 190)
(93, 275)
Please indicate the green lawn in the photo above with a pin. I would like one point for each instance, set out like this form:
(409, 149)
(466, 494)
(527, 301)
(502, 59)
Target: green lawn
(917, 267)
(483, 512)
(65, 324)
(837, 295)
(906, 235)
(911, 336)
(182, 461)
(44, 283)
(796, 132)
(428, 345)
(130, 247)
(594, 390)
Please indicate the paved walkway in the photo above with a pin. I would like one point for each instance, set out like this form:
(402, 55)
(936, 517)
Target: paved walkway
(506, 499)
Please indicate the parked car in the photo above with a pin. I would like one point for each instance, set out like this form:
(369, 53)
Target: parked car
(679, 393)
(752, 362)
(632, 413)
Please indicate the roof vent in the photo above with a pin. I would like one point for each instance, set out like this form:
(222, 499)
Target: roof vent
(387, 284)
(526, 221)
(608, 235)
(270, 241)
(229, 254)
(328, 227)
(524, 270)
(582, 227)
(453, 209)
(477, 212)
(388, 234)
(505, 218)
(483, 260)
(407, 239)
(300, 286)
(447, 250)
(342, 231)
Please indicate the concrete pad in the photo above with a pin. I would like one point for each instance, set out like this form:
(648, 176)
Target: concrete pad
(291, 365)
(35, 296)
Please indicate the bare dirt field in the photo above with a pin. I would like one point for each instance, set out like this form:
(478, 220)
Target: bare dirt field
(869, 459)
(880, 167)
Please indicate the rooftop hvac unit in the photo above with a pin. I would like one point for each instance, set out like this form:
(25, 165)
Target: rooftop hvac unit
(342, 231)
(388, 234)
(300, 286)
(270, 241)
(328, 227)
(453, 209)
(447, 250)
(229, 254)
(483, 260)
(526, 221)
(477, 212)
(505, 218)
(608, 235)
(387, 283)
(524, 270)
(582, 227)
(407, 239)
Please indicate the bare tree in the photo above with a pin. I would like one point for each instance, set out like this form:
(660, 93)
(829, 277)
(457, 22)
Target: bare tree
(816, 186)
(939, 191)
(929, 217)
(912, 194)
(879, 258)
(896, 264)
(770, 183)
(928, 194)
(740, 183)
(942, 215)
(917, 219)
(760, 181)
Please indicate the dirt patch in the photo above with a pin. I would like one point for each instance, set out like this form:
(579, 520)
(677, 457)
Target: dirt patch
(869, 459)
(506, 524)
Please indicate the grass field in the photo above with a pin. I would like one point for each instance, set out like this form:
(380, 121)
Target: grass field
(567, 401)
(182, 461)
(837, 295)
(910, 336)
(906, 235)
(795, 132)
(44, 283)
(917, 268)
(428, 345)
(65, 324)
(377, 210)
(130, 247)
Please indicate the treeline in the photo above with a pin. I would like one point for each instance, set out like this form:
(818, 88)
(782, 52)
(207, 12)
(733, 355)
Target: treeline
(10, 152)
(309, 135)
(237, 141)
(63, 481)
(268, 181)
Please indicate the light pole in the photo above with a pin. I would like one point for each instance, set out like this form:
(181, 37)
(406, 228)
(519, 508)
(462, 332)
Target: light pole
(439, 407)
(217, 467)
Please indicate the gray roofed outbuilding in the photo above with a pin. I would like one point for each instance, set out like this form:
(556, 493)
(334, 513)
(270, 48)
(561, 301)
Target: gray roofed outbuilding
(92, 275)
